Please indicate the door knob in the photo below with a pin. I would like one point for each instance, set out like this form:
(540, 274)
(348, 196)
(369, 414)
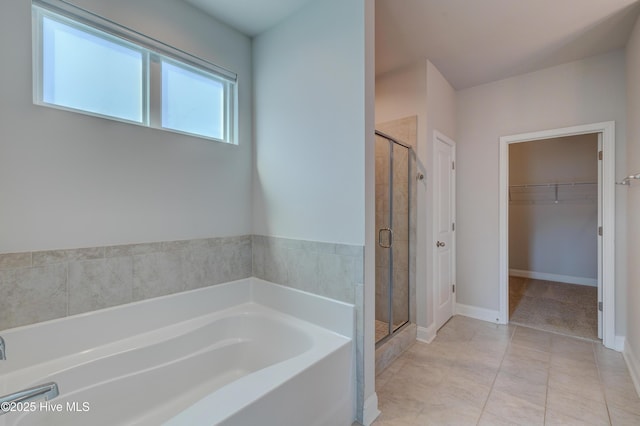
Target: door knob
(440, 244)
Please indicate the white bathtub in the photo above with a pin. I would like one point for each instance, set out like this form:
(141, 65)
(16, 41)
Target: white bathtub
(242, 353)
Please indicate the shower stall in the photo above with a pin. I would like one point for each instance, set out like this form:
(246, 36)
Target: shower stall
(395, 164)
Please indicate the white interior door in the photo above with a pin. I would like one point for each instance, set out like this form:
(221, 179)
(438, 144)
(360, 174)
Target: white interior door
(444, 228)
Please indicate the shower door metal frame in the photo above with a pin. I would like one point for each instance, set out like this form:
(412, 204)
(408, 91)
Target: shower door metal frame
(391, 330)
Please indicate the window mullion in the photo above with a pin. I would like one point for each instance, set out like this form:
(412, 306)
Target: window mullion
(155, 91)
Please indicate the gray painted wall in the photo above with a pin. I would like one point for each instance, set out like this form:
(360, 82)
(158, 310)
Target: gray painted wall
(69, 180)
(548, 237)
(591, 90)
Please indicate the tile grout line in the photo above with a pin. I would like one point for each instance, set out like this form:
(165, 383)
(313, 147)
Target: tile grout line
(558, 333)
(504, 355)
(546, 390)
(601, 383)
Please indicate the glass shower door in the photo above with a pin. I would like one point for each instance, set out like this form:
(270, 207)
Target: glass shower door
(392, 227)
(400, 190)
(384, 260)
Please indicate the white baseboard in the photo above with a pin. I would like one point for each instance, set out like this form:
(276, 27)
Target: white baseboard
(592, 282)
(633, 364)
(619, 344)
(478, 313)
(370, 410)
(426, 334)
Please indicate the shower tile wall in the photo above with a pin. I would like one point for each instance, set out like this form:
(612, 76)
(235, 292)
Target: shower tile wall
(404, 222)
(44, 285)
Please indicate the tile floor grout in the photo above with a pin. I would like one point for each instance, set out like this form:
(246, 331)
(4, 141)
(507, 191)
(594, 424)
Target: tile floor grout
(559, 333)
(438, 383)
(595, 356)
(495, 377)
(546, 393)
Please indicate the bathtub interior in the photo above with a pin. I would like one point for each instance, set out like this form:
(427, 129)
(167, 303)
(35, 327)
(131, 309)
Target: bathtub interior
(151, 376)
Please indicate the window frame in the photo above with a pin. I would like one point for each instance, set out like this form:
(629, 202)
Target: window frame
(153, 53)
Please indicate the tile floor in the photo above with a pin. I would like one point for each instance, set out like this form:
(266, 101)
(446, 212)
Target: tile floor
(478, 373)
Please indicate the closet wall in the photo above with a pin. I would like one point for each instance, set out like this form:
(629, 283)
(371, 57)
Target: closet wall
(554, 232)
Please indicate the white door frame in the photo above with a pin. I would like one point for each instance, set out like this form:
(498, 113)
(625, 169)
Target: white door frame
(607, 129)
(439, 136)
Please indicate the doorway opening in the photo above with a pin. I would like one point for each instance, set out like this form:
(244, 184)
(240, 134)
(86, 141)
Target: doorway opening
(553, 237)
(543, 196)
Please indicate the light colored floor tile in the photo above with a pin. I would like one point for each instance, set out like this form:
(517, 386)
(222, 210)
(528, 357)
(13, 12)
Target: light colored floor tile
(479, 373)
(623, 397)
(490, 419)
(398, 409)
(556, 418)
(621, 417)
(532, 339)
(576, 386)
(449, 415)
(536, 362)
(585, 410)
(561, 364)
(609, 360)
(535, 393)
(563, 347)
(458, 390)
(514, 409)
(531, 356)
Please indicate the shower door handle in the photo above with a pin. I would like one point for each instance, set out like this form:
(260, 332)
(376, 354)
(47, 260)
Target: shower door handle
(390, 237)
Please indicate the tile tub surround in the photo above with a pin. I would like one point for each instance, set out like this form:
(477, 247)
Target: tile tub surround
(40, 286)
(44, 285)
(327, 269)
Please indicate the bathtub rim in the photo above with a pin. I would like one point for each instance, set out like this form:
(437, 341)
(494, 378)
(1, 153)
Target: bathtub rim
(120, 322)
(263, 380)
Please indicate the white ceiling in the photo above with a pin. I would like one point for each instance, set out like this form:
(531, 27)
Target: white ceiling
(477, 41)
(470, 41)
(250, 17)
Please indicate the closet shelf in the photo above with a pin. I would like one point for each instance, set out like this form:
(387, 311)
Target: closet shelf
(553, 193)
(551, 185)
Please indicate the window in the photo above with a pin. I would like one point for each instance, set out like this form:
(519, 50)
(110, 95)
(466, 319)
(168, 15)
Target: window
(93, 72)
(192, 101)
(89, 65)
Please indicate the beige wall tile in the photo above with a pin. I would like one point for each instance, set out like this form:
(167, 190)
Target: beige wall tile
(32, 295)
(15, 260)
(100, 283)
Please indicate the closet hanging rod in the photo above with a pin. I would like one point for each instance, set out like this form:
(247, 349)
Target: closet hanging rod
(551, 185)
(628, 179)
